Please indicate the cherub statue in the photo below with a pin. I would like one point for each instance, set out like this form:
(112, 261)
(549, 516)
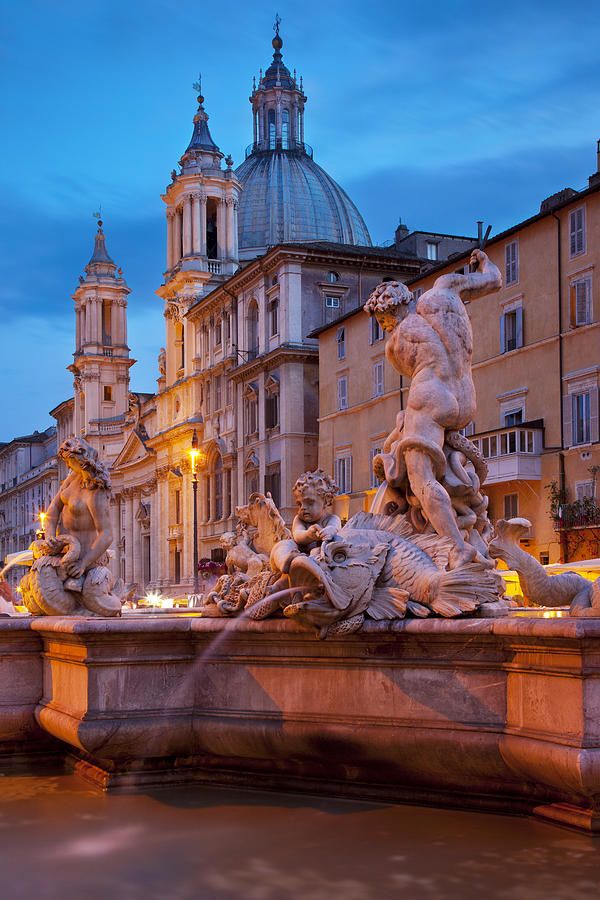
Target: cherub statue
(431, 342)
(313, 523)
(70, 572)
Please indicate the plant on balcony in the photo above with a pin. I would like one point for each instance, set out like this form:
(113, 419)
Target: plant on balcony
(210, 567)
(580, 513)
(557, 498)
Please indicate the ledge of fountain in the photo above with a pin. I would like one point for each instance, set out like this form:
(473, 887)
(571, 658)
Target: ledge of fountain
(488, 713)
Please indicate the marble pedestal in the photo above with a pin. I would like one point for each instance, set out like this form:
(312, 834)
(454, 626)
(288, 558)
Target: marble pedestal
(497, 714)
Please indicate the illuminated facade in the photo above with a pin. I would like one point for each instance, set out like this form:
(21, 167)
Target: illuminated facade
(536, 367)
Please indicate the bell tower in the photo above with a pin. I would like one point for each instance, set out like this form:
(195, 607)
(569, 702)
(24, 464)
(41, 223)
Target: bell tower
(202, 233)
(101, 360)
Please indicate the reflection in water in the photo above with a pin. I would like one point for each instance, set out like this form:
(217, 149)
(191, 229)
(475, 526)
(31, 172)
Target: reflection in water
(62, 840)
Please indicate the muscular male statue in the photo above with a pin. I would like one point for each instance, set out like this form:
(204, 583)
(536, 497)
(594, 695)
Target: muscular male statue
(431, 342)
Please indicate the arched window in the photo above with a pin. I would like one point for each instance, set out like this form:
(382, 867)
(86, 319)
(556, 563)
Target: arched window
(219, 487)
(285, 129)
(253, 330)
(271, 128)
(212, 237)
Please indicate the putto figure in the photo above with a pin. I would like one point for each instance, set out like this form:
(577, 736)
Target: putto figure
(69, 574)
(431, 342)
(313, 524)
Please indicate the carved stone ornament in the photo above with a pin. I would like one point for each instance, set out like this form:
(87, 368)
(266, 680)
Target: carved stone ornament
(423, 548)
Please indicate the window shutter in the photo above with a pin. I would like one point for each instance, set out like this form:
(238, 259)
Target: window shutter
(519, 329)
(348, 474)
(573, 303)
(594, 415)
(372, 330)
(502, 335)
(568, 420)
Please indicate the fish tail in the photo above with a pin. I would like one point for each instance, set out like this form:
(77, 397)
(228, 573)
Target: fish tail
(464, 589)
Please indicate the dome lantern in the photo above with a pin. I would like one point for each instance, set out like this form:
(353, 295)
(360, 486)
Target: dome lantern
(286, 196)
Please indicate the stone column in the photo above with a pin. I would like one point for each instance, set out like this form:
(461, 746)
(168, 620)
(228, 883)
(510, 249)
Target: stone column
(155, 569)
(128, 497)
(187, 225)
(254, 126)
(230, 228)
(177, 231)
(114, 524)
(137, 540)
(196, 223)
(236, 251)
(202, 214)
(77, 326)
(164, 532)
(170, 241)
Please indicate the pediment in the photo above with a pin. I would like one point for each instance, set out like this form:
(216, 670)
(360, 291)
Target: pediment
(134, 450)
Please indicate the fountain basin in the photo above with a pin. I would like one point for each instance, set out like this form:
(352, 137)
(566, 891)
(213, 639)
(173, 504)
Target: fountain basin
(500, 714)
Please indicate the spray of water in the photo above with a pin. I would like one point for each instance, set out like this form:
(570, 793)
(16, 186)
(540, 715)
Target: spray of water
(24, 558)
(231, 625)
(7, 598)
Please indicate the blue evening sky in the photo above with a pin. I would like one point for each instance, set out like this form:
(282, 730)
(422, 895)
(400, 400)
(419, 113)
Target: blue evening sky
(440, 113)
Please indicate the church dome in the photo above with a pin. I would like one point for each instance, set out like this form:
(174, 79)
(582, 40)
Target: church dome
(286, 196)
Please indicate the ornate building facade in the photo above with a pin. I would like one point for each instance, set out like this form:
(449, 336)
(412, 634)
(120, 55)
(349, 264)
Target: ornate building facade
(29, 479)
(256, 258)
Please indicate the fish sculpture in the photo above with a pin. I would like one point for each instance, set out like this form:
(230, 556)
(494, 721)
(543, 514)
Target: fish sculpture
(541, 589)
(377, 566)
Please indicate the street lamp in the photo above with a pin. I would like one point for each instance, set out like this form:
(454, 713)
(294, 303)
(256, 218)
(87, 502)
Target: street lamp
(41, 533)
(194, 454)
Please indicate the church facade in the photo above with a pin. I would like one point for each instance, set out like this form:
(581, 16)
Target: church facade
(257, 258)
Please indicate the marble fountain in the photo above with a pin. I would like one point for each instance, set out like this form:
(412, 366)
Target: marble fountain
(372, 660)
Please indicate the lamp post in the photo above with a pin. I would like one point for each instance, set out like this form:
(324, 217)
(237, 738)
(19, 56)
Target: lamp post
(194, 453)
(41, 533)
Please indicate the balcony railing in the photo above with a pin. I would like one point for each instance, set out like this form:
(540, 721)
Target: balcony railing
(582, 514)
(214, 266)
(512, 453)
(293, 147)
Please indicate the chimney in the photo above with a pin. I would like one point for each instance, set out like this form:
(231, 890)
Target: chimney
(401, 232)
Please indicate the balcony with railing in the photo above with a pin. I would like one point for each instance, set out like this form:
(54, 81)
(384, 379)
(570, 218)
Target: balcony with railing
(280, 146)
(581, 514)
(512, 454)
(214, 266)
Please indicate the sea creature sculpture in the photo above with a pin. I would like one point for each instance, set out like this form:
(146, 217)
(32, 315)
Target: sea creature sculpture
(378, 567)
(567, 588)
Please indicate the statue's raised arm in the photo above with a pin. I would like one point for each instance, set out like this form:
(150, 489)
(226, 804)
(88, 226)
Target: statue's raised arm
(485, 278)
